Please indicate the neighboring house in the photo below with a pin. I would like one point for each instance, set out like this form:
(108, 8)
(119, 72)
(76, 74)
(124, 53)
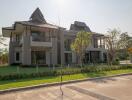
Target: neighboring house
(38, 42)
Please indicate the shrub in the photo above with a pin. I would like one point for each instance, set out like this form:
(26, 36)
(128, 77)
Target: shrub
(115, 62)
(64, 71)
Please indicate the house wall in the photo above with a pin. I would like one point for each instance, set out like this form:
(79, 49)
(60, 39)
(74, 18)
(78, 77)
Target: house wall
(48, 58)
(26, 50)
(52, 53)
(62, 46)
(11, 53)
(54, 50)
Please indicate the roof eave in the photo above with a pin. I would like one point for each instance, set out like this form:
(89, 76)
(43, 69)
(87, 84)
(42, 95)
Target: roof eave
(6, 32)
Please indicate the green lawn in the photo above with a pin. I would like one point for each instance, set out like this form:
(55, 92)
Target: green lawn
(35, 81)
(15, 69)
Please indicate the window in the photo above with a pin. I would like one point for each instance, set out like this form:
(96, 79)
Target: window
(17, 56)
(68, 58)
(38, 57)
(17, 38)
(67, 44)
(37, 36)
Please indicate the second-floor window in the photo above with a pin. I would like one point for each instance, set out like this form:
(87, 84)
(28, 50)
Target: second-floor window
(17, 38)
(35, 36)
(40, 36)
(67, 44)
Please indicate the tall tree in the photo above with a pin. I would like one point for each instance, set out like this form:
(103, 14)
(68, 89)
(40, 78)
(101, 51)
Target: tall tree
(112, 44)
(81, 42)
(125, 40)
(4, 56)
(130, 52)
(2, 40)
(3, 52)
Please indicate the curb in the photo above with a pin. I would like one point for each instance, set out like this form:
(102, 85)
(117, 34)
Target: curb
(57, 83)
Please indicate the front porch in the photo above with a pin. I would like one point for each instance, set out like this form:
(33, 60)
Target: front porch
(95, 57)
(41, 56)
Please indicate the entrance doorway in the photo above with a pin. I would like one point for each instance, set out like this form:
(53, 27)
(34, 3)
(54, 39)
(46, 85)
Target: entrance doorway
(38, 57)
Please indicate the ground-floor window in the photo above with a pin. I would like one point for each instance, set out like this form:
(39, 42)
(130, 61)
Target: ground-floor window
(68, 58)
(38, 57)
(95, 56)
(17, 56)
(105, 57)
(92, 57)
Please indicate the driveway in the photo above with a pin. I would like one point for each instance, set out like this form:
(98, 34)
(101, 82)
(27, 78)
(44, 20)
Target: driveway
(115, 88)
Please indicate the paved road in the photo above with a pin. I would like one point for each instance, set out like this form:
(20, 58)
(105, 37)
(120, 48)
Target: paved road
(117, 88)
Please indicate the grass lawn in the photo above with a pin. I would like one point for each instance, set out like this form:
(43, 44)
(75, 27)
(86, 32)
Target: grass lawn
(15, 69)
(35, 81)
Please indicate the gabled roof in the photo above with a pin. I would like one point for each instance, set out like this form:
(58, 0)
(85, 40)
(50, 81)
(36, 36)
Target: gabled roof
(37, 16)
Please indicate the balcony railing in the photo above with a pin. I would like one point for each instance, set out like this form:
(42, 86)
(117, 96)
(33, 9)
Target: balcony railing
(40, 39)
(41, 42)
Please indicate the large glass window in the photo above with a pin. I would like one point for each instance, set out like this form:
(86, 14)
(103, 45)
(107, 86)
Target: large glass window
(40, 36)
(67, 44)
(17, 38)
(68, 58)
(38, 57)
(17, 56)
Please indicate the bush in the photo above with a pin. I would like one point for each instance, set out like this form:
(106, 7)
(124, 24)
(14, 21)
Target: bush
(64, 71)
(116, 62)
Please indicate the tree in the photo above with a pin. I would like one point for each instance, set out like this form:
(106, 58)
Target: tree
(125, 43)
(4, 56)
(81, 42)
(2, 40)
(125, 40)
(112, 44)
(130, 51)
(3, 52)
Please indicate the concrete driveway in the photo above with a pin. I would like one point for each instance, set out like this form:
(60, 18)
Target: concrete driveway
(115, 88)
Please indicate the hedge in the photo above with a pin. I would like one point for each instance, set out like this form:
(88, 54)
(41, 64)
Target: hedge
(65, 71)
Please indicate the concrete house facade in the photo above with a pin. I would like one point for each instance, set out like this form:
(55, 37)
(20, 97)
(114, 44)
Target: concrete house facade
(38, 42)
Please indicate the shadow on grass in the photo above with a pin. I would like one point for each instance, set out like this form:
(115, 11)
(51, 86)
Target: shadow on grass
(99, 74)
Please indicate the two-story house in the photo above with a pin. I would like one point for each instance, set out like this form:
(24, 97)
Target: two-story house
(38, 42)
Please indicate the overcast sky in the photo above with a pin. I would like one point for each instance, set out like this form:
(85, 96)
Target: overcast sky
(99, 15)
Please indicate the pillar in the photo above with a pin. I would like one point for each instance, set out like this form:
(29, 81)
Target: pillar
(26, 50)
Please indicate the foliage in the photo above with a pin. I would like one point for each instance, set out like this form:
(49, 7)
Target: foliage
(8, 84)
(3, 56)
(2, 40)
(64, 71)
(125, 43)
(124, 40)
(113, 44)
(122, 54)
(81, 42)
(130, 50)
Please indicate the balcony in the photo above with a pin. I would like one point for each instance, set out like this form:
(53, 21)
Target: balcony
(40, 43)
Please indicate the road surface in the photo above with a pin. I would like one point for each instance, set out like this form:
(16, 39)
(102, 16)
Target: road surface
(115, 88)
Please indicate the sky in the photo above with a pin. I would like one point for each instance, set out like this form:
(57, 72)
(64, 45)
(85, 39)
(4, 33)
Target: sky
(99, 15)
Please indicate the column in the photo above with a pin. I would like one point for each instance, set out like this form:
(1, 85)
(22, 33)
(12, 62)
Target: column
(48, 57)
(62, 47)
(54, 50)
(26, 50)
